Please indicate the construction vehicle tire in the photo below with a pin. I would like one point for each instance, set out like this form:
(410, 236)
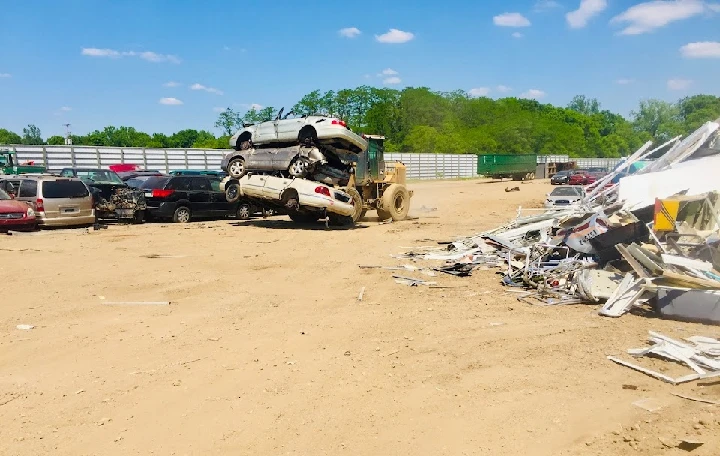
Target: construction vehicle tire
(395, 203)
(357, 203)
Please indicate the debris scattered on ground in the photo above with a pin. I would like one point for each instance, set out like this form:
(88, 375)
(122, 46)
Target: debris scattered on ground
(362, 293)
(25, 327)
(137, 303)
(701, 354)
(513, 189)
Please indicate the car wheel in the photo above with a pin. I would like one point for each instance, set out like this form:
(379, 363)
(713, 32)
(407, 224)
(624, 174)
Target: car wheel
(182, 215)
(395, 203)
(357, 203)
(298, 168)
(232, 193)
(244, 211)
(236, 168)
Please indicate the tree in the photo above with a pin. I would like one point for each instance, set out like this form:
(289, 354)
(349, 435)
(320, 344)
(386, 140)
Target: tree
(698, 109)
(56, 140)
(8, 137)
(228, 121)
(584, 105)
(658, 118)
(32, 135)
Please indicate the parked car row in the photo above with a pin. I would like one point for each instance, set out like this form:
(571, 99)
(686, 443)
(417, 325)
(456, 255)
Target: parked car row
(82, 196)
(577, 177)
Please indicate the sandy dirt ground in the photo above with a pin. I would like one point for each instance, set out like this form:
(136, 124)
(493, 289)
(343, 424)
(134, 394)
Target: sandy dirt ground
(266, 350)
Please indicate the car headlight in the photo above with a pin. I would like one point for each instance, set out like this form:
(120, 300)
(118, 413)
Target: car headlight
(30, 212)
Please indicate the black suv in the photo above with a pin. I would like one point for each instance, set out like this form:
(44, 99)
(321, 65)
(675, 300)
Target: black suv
(182, 198)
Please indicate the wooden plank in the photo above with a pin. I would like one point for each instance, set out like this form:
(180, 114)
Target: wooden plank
(634, 264)
(703, 283)
(645, 371)
(617, 303)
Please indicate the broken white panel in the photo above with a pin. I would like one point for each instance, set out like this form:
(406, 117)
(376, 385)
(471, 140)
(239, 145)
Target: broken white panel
(694, 177)
(687, 262)
(684, 148)
(619, 301)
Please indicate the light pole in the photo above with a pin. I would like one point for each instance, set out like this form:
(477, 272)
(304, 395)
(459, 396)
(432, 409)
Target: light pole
(68, 141)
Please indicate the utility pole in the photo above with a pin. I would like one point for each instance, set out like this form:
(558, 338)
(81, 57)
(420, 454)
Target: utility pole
(68, 141)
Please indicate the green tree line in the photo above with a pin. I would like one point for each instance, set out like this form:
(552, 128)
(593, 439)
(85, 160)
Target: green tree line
(421, 120)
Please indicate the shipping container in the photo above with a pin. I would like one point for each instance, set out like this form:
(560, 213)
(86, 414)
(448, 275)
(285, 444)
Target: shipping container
(497, 166)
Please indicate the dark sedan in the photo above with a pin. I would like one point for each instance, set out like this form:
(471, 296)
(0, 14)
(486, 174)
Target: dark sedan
(561, 177)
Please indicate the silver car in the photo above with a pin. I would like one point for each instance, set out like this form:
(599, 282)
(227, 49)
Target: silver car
(293, 161)
(307, 130)
(565, 196)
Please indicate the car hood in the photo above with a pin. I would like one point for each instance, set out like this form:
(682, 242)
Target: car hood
(12, 206)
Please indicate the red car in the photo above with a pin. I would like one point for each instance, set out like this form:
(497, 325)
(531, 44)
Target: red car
(15, 214)
(579, 178)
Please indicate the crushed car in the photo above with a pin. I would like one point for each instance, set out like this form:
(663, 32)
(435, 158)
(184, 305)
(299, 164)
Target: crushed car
(113, 198)
(308, 129)
(304, 201)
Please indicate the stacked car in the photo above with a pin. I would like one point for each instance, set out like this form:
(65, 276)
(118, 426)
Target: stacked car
(295, 164)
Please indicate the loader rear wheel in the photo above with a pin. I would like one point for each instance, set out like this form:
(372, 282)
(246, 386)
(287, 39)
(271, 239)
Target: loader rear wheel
(357, 203)
(395, 203)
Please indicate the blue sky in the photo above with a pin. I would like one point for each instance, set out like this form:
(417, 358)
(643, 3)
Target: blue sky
(98, 63)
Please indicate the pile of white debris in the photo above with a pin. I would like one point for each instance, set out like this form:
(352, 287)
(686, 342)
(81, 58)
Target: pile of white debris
(642, 235)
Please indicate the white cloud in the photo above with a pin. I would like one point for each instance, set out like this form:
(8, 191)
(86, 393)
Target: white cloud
(511, 20)
(503, 89)
(623, 81)
(479, 92)
(349, 32)
(218, 109)
(392, 80)
(648, 16)
(678, 84)
(586, 11)
(701, 50)
(533, 93)
(227, 48)
(395, 36)
(66, 109)
(517, 35)
(5, 75)
(197, 86)
(171, 84)
(170, 101)
(544, 5)
(389, 72)
(145, 55)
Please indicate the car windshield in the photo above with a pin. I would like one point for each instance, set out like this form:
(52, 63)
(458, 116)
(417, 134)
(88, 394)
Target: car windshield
(3, 195)
(98, 176)
(155, 182)
(566, 191)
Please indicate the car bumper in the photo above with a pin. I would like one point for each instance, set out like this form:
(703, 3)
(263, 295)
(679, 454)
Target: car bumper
(67, 221)
(330, 205)
(18, 223)
(162, 210)
(332, 132)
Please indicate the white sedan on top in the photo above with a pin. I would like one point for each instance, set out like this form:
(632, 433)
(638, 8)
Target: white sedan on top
(325, 130)
(565, 196)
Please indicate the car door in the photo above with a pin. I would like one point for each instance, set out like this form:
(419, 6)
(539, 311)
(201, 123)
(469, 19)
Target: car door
(288, 129)
(265, 132)
(199, 196)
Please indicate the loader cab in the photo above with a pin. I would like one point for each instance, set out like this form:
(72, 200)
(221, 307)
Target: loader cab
(371, 162)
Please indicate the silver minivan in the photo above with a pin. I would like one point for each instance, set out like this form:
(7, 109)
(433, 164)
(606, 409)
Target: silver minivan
(58, 201)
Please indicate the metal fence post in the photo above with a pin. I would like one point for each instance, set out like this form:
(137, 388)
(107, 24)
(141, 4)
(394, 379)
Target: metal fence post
(144, 159)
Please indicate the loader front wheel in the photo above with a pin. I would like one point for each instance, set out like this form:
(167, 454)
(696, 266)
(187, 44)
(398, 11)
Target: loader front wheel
(395, 203)
(357, 203)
